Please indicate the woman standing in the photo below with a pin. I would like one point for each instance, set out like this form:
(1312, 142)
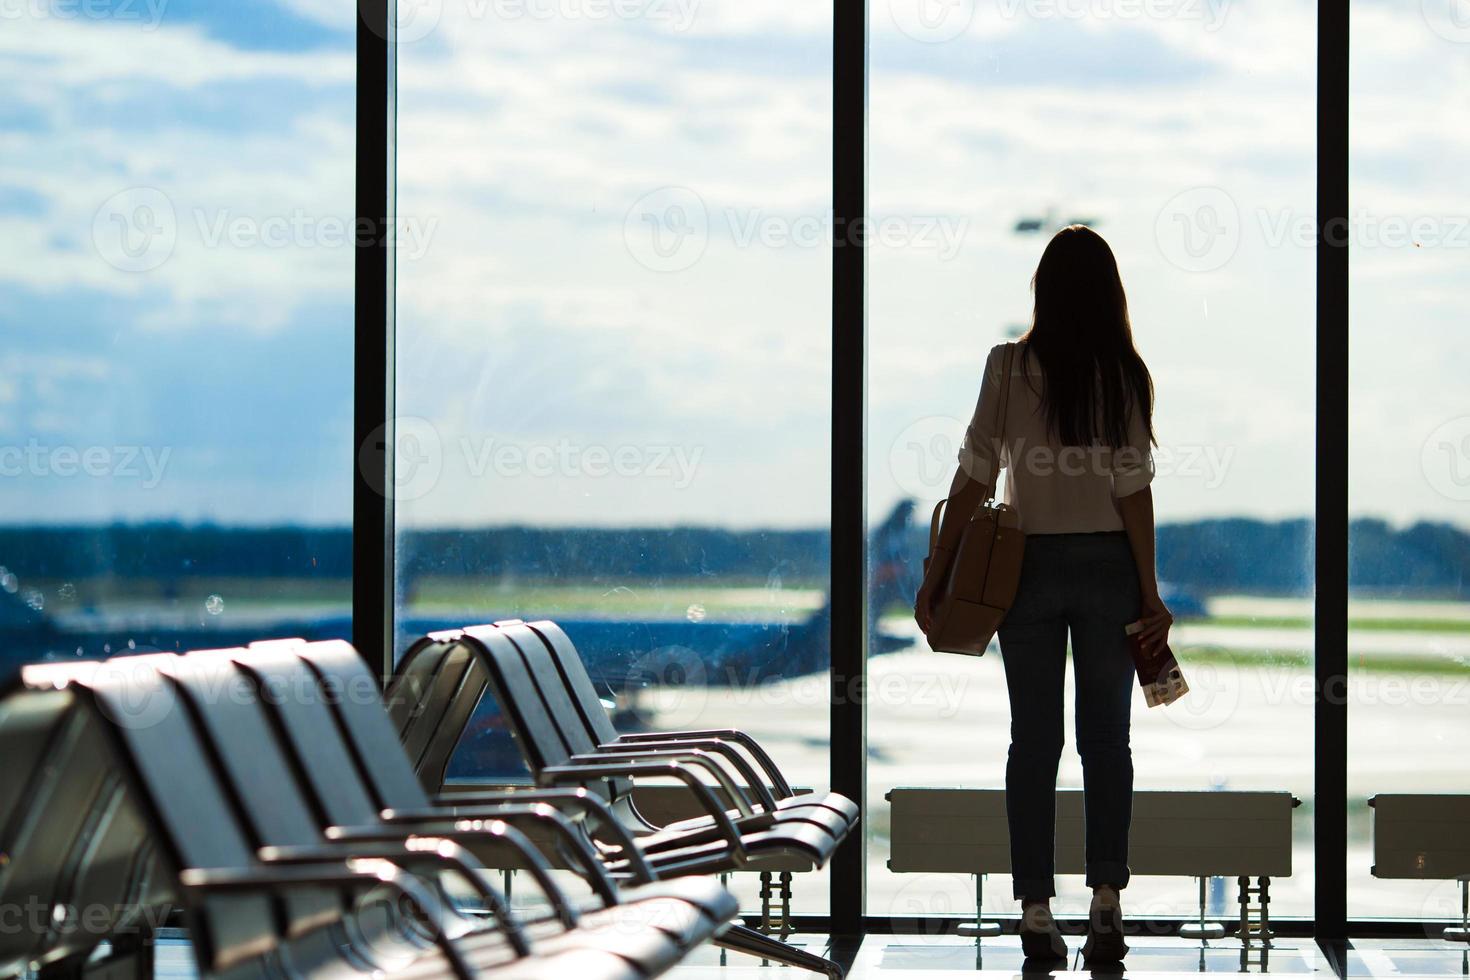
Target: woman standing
(1078, 464)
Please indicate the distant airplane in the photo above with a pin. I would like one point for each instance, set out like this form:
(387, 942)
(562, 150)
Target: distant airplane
(621, 650)
(1049, 223)
(625, 656)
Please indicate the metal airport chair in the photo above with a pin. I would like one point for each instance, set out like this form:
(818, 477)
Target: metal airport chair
(655, 927)
(567, 689)
(716, 843)
(430, 701)
(77, 867)
(274, 910)
(396, 788)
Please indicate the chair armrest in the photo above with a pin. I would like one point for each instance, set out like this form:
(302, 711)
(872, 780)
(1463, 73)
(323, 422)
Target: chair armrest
(356, 871)
(694, 757)
(764, 799)
(485, 804)
(778, 781)
(422, 850)
(676, 770)
(540, 814)
(444, 845)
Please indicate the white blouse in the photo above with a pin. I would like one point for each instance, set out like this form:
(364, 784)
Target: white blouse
(1057, 489)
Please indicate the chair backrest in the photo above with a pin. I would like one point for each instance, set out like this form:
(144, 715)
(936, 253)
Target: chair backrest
(77, 857)
(575, 731)
(544, 740)
(290, 689)
(260, 775)
(45, 799)
(351, 690)
(184, 803)
(434, 692)
(577, 681)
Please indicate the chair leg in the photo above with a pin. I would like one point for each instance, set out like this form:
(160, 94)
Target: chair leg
(744, 939)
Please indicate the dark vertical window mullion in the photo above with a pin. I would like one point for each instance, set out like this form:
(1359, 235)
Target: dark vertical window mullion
(372, 501)
(849, 631)
(1331, 611)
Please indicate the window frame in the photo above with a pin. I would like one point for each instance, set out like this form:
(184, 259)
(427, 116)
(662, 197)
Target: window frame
(373, 553)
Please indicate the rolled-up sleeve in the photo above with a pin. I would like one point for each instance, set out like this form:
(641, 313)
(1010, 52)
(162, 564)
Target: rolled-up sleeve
(1133, 463)
(981, 454)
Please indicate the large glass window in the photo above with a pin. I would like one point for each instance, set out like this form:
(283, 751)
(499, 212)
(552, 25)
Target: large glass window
(1183, 133)
(613, 354)
(1409, 640)
(176, 306)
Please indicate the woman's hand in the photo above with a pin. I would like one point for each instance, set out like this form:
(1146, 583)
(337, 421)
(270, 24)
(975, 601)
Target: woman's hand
(1156, 620)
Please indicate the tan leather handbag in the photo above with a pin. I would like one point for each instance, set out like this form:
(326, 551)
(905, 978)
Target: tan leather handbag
(980, 583)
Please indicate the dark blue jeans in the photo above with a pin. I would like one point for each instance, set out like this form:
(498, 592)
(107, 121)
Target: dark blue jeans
(1088, 584)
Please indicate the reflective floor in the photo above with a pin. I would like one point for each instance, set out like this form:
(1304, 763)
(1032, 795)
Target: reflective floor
(930, 958)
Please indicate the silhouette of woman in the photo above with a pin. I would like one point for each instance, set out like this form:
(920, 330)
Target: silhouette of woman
(1078, 461)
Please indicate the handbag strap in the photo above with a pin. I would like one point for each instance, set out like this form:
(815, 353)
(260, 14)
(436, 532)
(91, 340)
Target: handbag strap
(1004, 404)
(1001, 410)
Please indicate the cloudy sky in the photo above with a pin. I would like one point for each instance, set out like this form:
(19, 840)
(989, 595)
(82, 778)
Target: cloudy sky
(613, 250)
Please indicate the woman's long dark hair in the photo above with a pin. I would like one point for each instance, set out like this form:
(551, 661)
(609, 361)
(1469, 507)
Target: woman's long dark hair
(1080, 334)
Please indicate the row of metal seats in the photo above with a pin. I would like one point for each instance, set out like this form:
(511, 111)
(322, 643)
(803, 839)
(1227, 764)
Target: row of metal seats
(265, 795)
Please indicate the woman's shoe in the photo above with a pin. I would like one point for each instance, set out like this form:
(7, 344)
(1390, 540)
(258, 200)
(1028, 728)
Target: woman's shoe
(1040, 939)
(1105, 929)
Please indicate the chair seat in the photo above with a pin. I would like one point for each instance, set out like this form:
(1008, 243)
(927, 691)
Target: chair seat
(829, 820)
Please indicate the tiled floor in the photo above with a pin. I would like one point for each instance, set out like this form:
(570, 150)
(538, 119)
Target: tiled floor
(932, 958)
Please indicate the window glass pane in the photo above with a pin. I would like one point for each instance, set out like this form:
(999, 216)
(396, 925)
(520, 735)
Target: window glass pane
(613, 355)
(1183, 133)
(176, 306)
(1409, 635)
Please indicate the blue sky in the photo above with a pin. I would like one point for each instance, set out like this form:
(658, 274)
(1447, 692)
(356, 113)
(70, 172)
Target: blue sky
(535, 152)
